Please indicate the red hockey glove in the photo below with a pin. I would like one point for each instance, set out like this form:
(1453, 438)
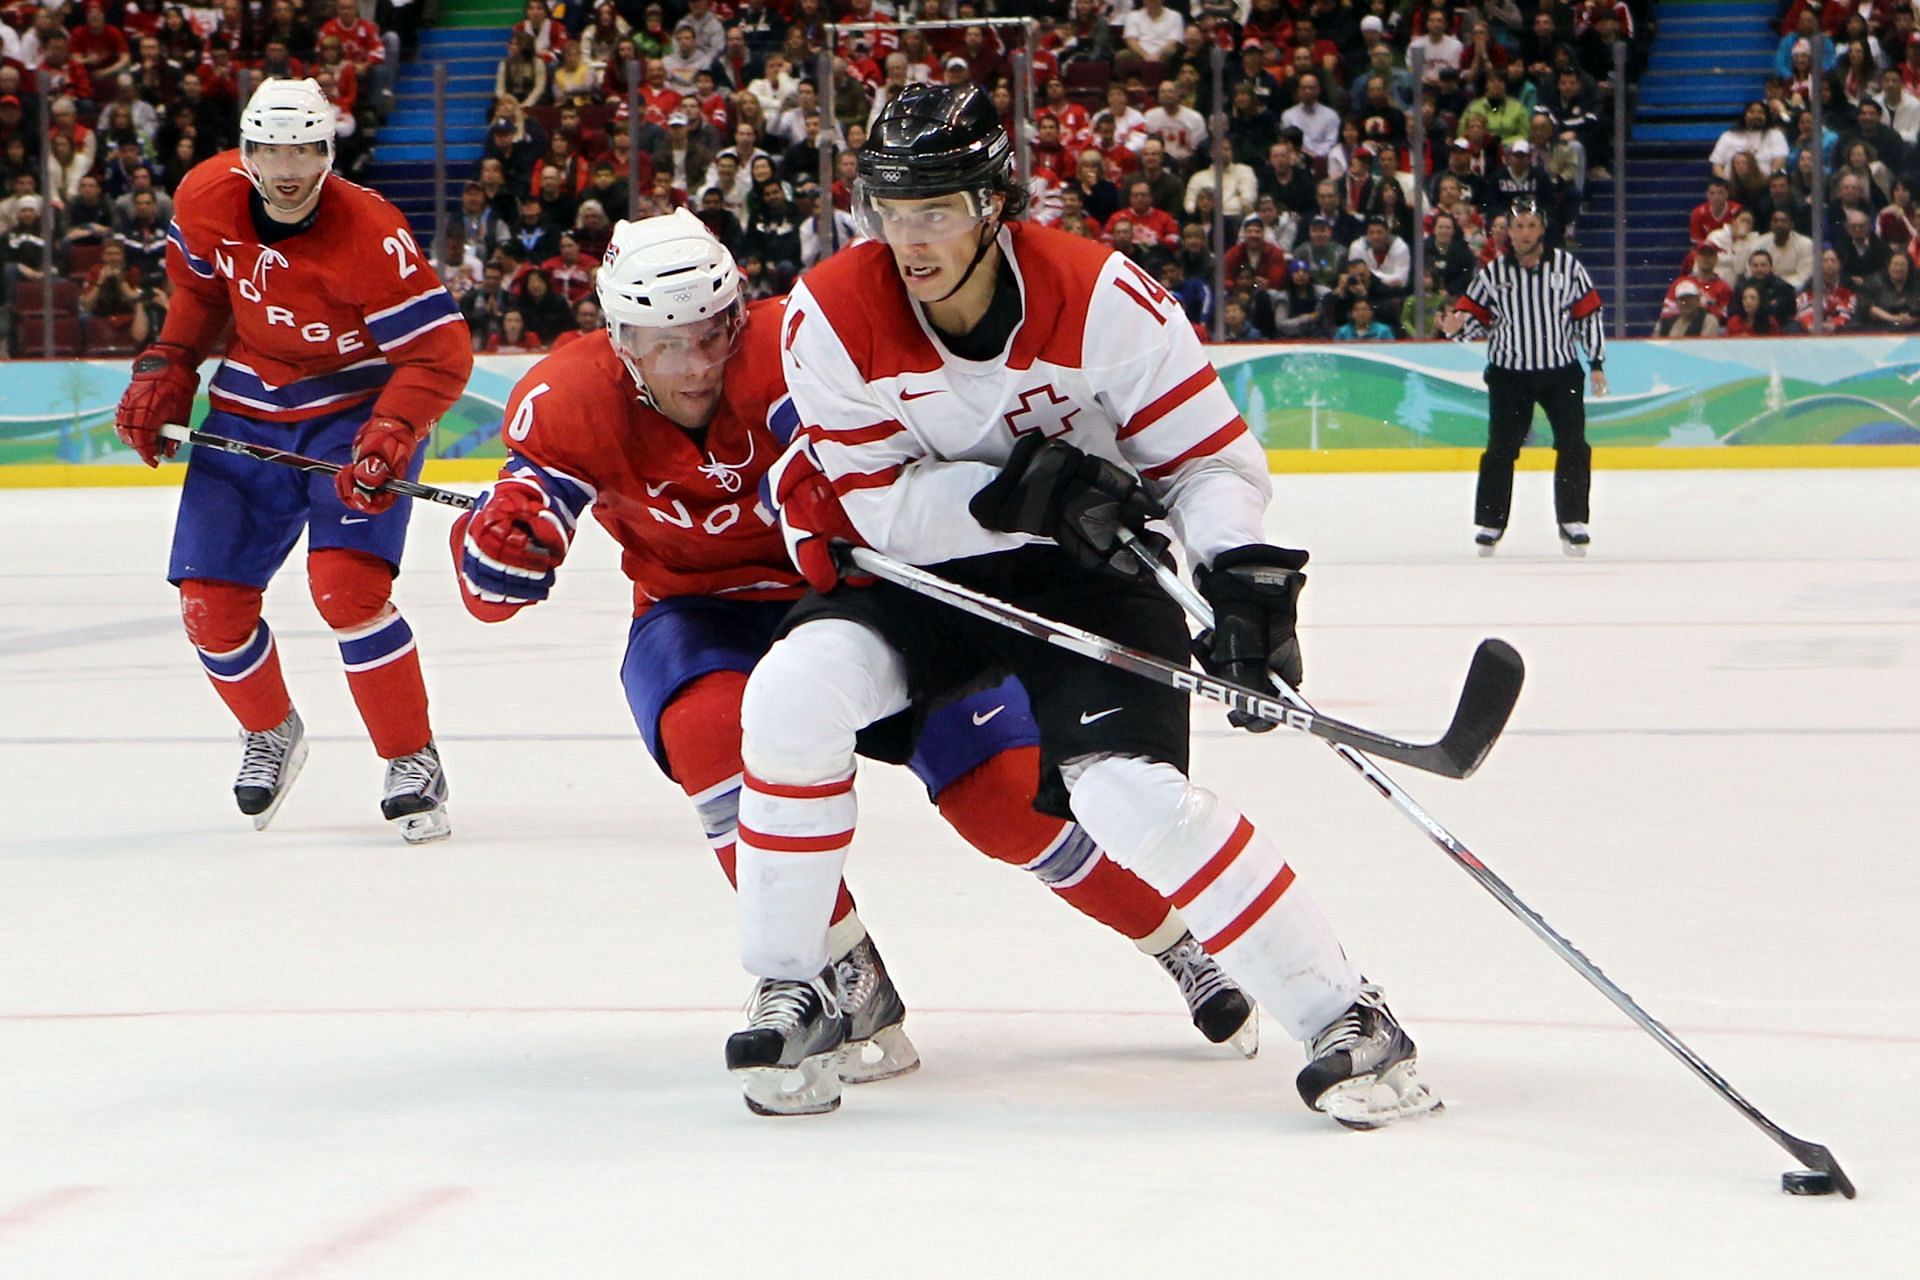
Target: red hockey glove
(165, 376)
(518, 526)
(812, 520)
(382, 450)
(505, 550)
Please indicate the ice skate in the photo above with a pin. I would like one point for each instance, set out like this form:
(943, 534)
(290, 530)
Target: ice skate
(877, 1044)
(1219, 1008)
(1486, 539)
(269, 763)
(786, 1057)
(1574, 539)
(1361, 1068)
(416, 796)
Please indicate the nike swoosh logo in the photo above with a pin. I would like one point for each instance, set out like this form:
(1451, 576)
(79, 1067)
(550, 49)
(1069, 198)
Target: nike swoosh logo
(1086, 718)
(982, 718)
(920, 395)
(355, 519)
(655, 490)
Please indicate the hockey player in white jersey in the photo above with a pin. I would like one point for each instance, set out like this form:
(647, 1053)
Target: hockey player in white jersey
(998, 400)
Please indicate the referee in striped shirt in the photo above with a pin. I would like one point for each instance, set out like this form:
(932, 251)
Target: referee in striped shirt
(1533, 304)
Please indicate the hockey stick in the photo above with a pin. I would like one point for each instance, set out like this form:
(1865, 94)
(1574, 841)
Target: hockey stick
(267, 453)
(1814, 1156)
(1493, 681)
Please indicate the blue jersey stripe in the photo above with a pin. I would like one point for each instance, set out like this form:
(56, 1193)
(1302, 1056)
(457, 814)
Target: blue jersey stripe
(424, 312)
(199, 266)
(243, 384)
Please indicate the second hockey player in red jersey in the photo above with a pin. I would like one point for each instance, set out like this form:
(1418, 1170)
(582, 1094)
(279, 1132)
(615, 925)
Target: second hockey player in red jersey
(1002, 400)
(664, 425)
(344, 347)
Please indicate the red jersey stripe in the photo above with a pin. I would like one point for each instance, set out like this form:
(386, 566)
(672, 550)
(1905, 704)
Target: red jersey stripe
(1251, 916)
(1197, 883)
(1134, 293)
(1212, 444)
(790, 791)
(857, 435)
(1474, 309)
(796, 844)
(866, 480)
(1188, 388)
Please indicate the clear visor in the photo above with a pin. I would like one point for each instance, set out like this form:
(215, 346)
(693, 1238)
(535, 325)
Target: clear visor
(683, 349)
(925, 220)
(286, 161)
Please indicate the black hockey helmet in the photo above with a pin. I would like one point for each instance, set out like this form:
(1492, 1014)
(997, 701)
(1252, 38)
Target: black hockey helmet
(933, 139)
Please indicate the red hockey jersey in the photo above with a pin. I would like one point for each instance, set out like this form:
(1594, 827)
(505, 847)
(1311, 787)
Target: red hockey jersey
(685, 509)
(344, 311)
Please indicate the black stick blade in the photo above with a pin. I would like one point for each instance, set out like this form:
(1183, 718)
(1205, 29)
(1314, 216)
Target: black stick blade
(1493, 686)
(1820, 1160)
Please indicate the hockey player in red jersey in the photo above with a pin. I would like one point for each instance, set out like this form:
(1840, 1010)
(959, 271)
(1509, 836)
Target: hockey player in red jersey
(1000, 400)
(664, 425)
(345, 347)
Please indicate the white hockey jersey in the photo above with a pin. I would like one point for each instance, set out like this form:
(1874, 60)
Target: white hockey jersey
(1103, 358)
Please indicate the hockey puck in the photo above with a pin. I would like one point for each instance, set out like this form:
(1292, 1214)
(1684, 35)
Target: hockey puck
(1807, 1182)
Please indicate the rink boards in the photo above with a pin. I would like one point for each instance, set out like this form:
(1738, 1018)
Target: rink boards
(1380, 407)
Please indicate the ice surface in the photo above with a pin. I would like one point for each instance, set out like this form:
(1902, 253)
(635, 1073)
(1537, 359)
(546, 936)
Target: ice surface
(318, 1052)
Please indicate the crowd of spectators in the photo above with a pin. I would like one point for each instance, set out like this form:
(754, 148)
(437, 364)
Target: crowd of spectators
(1317, 196)
(1312, 134)
(134, 95)
(1755, 249)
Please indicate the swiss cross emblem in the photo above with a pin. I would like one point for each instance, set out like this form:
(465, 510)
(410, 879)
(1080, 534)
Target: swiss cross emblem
(1044, 410)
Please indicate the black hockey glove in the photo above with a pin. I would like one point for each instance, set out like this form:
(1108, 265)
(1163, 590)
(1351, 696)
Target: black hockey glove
(1053, 490)
(1254, 591)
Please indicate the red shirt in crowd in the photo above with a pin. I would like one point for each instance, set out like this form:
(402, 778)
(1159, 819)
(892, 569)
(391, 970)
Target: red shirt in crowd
(1703, 223)
(1155, 226)
(361, 41)
(100, 48)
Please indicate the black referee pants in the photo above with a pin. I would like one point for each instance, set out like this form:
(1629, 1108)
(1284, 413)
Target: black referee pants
(1512, 394)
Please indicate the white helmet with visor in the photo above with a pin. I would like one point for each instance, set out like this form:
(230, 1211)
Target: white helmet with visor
(670, 293)
(286, 138)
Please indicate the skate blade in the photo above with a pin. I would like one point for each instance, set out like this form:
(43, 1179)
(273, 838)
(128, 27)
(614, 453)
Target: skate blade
(424, 827)
(1246, 1041)
(895, 1056)
(296, 759)
(1485, 549)
(810, 1089)
(1375, 1101)
(1574, 550)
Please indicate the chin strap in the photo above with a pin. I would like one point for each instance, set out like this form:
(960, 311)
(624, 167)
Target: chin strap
(992, 230)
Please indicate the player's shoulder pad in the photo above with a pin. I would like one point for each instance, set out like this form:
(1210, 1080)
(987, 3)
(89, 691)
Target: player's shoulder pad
(1070, 262)
(588, 369)
(213, 196)
(758, 350)
(569, 392)
(365, 202)
(849, 288)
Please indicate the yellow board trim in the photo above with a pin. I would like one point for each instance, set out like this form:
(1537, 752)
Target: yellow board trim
(64, 475)
(1280, 461)
(1612, 458)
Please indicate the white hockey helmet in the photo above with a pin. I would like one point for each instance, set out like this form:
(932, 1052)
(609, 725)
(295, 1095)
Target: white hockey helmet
(663, 273)
(285, 113)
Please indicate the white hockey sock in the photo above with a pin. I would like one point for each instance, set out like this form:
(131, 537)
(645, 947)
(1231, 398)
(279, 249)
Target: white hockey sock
(1231, 883)
(844, 935)
(804, 703)
(792, 847)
